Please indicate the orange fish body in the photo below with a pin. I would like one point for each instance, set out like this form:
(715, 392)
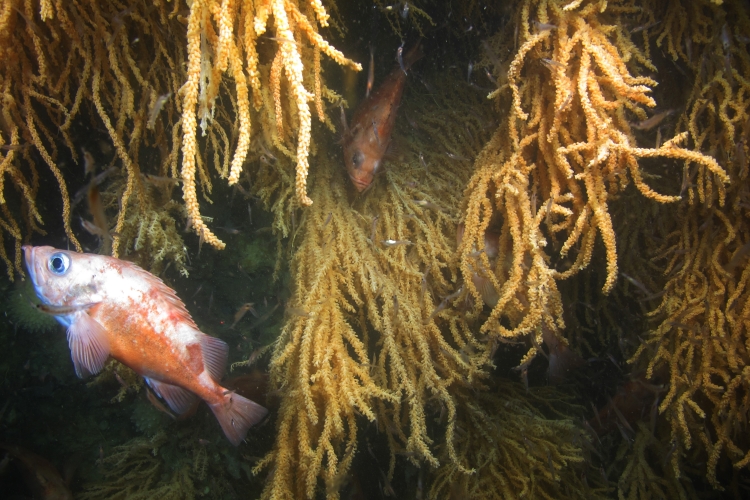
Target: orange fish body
(368, 139)
(114, 308)
(40, 475)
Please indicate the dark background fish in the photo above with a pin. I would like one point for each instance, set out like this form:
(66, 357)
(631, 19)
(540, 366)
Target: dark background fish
(368, 139)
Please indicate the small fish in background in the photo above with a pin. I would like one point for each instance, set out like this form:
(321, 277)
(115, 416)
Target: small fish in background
(114, 308)
(400, 58)
(229, 230)
(244, 309)
(562, 359)
(40, 476)
(542, 27)
(160, 181)
(396, 243)
(652, 122)
(369, 138)
(153, 114)
(370, 74)
(95, 181)
(551, 64)
(726, 37)
(91, 228)
(405, 11)
(428, 205)
(32, 26)
(89, 165)
(100, 225)
(118, 21)
(14, 147)
(644, 27)
(483, 284)
(726, 43)
(631, 403)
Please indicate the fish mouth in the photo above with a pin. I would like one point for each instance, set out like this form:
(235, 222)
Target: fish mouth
(28, 254)
(359, 184)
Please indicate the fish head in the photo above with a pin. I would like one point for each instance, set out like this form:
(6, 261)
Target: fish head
(361, 165)
(62, 277)
(491, 243)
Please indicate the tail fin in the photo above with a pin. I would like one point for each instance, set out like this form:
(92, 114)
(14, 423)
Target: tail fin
(236, 415)
(562, 359)
(414, 54)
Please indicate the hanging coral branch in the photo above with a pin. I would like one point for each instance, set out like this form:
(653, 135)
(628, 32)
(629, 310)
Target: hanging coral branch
(545, 190)
(373, 331)
(703, 321)
(232, 36)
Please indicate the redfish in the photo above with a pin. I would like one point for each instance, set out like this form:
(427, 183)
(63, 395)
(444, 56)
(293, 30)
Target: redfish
(39, 474)
(114, 308)
(368, 139)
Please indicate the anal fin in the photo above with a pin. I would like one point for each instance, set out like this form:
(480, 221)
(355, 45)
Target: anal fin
(179, 400)
(89, 346)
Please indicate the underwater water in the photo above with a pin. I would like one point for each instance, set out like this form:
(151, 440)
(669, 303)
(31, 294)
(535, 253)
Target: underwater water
(524, 272)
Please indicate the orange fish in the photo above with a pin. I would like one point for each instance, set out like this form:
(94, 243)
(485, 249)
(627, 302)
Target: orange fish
(39, 475)
(114, 308)
(367, 141)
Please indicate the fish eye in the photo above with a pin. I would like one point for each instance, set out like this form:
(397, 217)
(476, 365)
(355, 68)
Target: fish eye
(59, 263)
(357, 159)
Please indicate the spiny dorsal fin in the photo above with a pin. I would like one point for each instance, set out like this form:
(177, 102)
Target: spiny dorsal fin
(215, 352)
(164, 291)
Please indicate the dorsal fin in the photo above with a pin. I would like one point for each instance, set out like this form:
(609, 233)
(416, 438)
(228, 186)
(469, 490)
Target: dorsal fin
(164, 291)
(215, 352)
(343, 119)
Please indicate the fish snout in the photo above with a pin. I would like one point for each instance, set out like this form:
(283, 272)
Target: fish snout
(360, 184)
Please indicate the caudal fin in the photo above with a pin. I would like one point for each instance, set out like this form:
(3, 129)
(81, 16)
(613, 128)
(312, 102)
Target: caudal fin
(236, 415)
(413, 55)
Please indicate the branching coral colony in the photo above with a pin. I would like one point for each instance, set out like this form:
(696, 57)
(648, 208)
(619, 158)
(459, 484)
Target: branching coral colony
(701, 337)
(393, 333)
(571, 148)
(367, 335)
(120, 62)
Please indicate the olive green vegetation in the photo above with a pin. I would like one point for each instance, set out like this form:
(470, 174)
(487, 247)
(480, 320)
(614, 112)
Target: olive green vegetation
(254, 255)
(20, 308)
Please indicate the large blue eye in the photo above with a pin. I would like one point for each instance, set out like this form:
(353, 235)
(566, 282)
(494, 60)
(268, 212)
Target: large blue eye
(59, 263)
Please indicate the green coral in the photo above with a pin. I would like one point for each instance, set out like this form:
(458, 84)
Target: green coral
(128, 380)
(20, 305)
(134, 471)
(148, 419)
(517, 444)
(255, 256)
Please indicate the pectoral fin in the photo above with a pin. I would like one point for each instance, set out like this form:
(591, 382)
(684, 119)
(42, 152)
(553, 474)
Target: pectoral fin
(88, 343)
